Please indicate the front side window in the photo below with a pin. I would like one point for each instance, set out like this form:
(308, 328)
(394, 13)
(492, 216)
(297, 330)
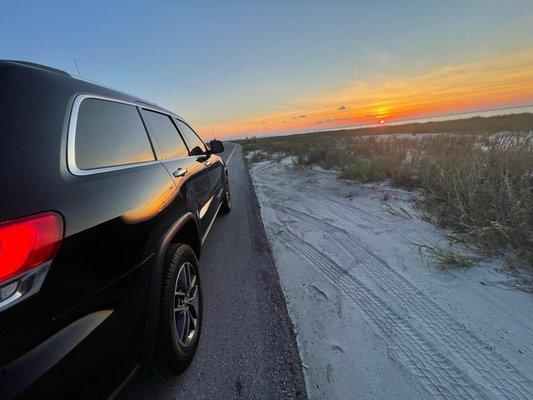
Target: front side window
(195, 144)
(110, 134)
(165, 134)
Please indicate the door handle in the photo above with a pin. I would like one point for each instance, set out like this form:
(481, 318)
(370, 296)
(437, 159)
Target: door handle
(207, 163)
(179, 172)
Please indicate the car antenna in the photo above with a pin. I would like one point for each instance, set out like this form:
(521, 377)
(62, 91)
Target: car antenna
(212, 134)
(76, 64)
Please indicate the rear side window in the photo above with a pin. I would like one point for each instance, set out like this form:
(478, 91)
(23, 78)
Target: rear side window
(166, 135)
(110, 134)
(193, 141)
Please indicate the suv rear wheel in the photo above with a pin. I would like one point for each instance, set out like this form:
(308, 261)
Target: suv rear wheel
(180, 315)
(226, 203)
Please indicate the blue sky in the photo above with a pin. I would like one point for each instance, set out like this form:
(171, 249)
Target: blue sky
(216, 62)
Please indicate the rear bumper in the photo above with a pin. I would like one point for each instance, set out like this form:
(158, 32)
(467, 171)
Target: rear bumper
(22, 372)
(100, 342)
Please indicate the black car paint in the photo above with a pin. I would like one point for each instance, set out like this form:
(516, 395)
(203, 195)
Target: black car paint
(92, 325)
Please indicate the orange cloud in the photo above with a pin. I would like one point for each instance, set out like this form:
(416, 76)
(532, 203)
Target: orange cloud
(499, 82)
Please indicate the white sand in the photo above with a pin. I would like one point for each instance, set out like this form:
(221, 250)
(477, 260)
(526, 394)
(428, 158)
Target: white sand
(373, 320)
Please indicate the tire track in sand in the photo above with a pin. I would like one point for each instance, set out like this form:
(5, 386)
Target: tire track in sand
(357, 214)
(435, 372)
(490, 368)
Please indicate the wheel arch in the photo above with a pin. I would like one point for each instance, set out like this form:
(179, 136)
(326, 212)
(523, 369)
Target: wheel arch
(184, 230)
(189, 234)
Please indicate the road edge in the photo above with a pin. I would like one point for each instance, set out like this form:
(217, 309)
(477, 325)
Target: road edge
(262, 245)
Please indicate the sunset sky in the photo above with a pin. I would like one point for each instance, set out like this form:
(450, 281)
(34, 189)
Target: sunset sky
(276, 67)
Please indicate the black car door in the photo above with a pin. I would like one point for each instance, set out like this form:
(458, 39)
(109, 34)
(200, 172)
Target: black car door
(188, 171)
(212, 164)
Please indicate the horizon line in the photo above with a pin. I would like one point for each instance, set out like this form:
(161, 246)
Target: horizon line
(377, 124)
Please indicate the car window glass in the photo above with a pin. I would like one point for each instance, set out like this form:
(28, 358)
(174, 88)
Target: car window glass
(110, 134)
(166, 135)
(195, 144)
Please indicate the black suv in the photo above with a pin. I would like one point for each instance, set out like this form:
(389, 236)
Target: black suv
(106, 202)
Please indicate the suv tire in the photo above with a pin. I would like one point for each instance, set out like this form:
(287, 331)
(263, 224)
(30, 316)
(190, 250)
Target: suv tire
(226, 203)
(180, 313)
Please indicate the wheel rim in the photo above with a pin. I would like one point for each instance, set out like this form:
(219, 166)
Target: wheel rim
(186, 304)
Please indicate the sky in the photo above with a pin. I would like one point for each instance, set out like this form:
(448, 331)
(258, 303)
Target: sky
(242, 68)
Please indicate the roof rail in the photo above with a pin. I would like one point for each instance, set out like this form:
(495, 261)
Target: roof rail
(40, 66)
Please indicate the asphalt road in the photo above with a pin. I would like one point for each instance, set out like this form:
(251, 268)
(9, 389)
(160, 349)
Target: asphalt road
(247, 349)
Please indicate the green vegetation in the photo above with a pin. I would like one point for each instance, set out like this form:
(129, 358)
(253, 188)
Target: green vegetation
(476, 173)
(445, 257)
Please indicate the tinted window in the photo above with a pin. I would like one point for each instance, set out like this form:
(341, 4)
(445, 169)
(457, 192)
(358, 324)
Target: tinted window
(110, 134)
(193, 141)
(166, 135)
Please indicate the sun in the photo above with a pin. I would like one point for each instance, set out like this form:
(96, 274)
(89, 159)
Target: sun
(382, 122)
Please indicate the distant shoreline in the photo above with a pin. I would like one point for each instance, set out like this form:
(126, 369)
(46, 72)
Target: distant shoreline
(513, 122)
(490, 113)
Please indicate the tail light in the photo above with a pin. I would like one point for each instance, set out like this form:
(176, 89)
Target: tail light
(26, 244)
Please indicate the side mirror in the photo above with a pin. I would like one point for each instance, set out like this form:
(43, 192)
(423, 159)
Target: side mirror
(216, 146)
(197, 151)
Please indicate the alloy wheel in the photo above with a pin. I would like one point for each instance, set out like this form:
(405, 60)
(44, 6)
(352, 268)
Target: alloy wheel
(186, 304)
